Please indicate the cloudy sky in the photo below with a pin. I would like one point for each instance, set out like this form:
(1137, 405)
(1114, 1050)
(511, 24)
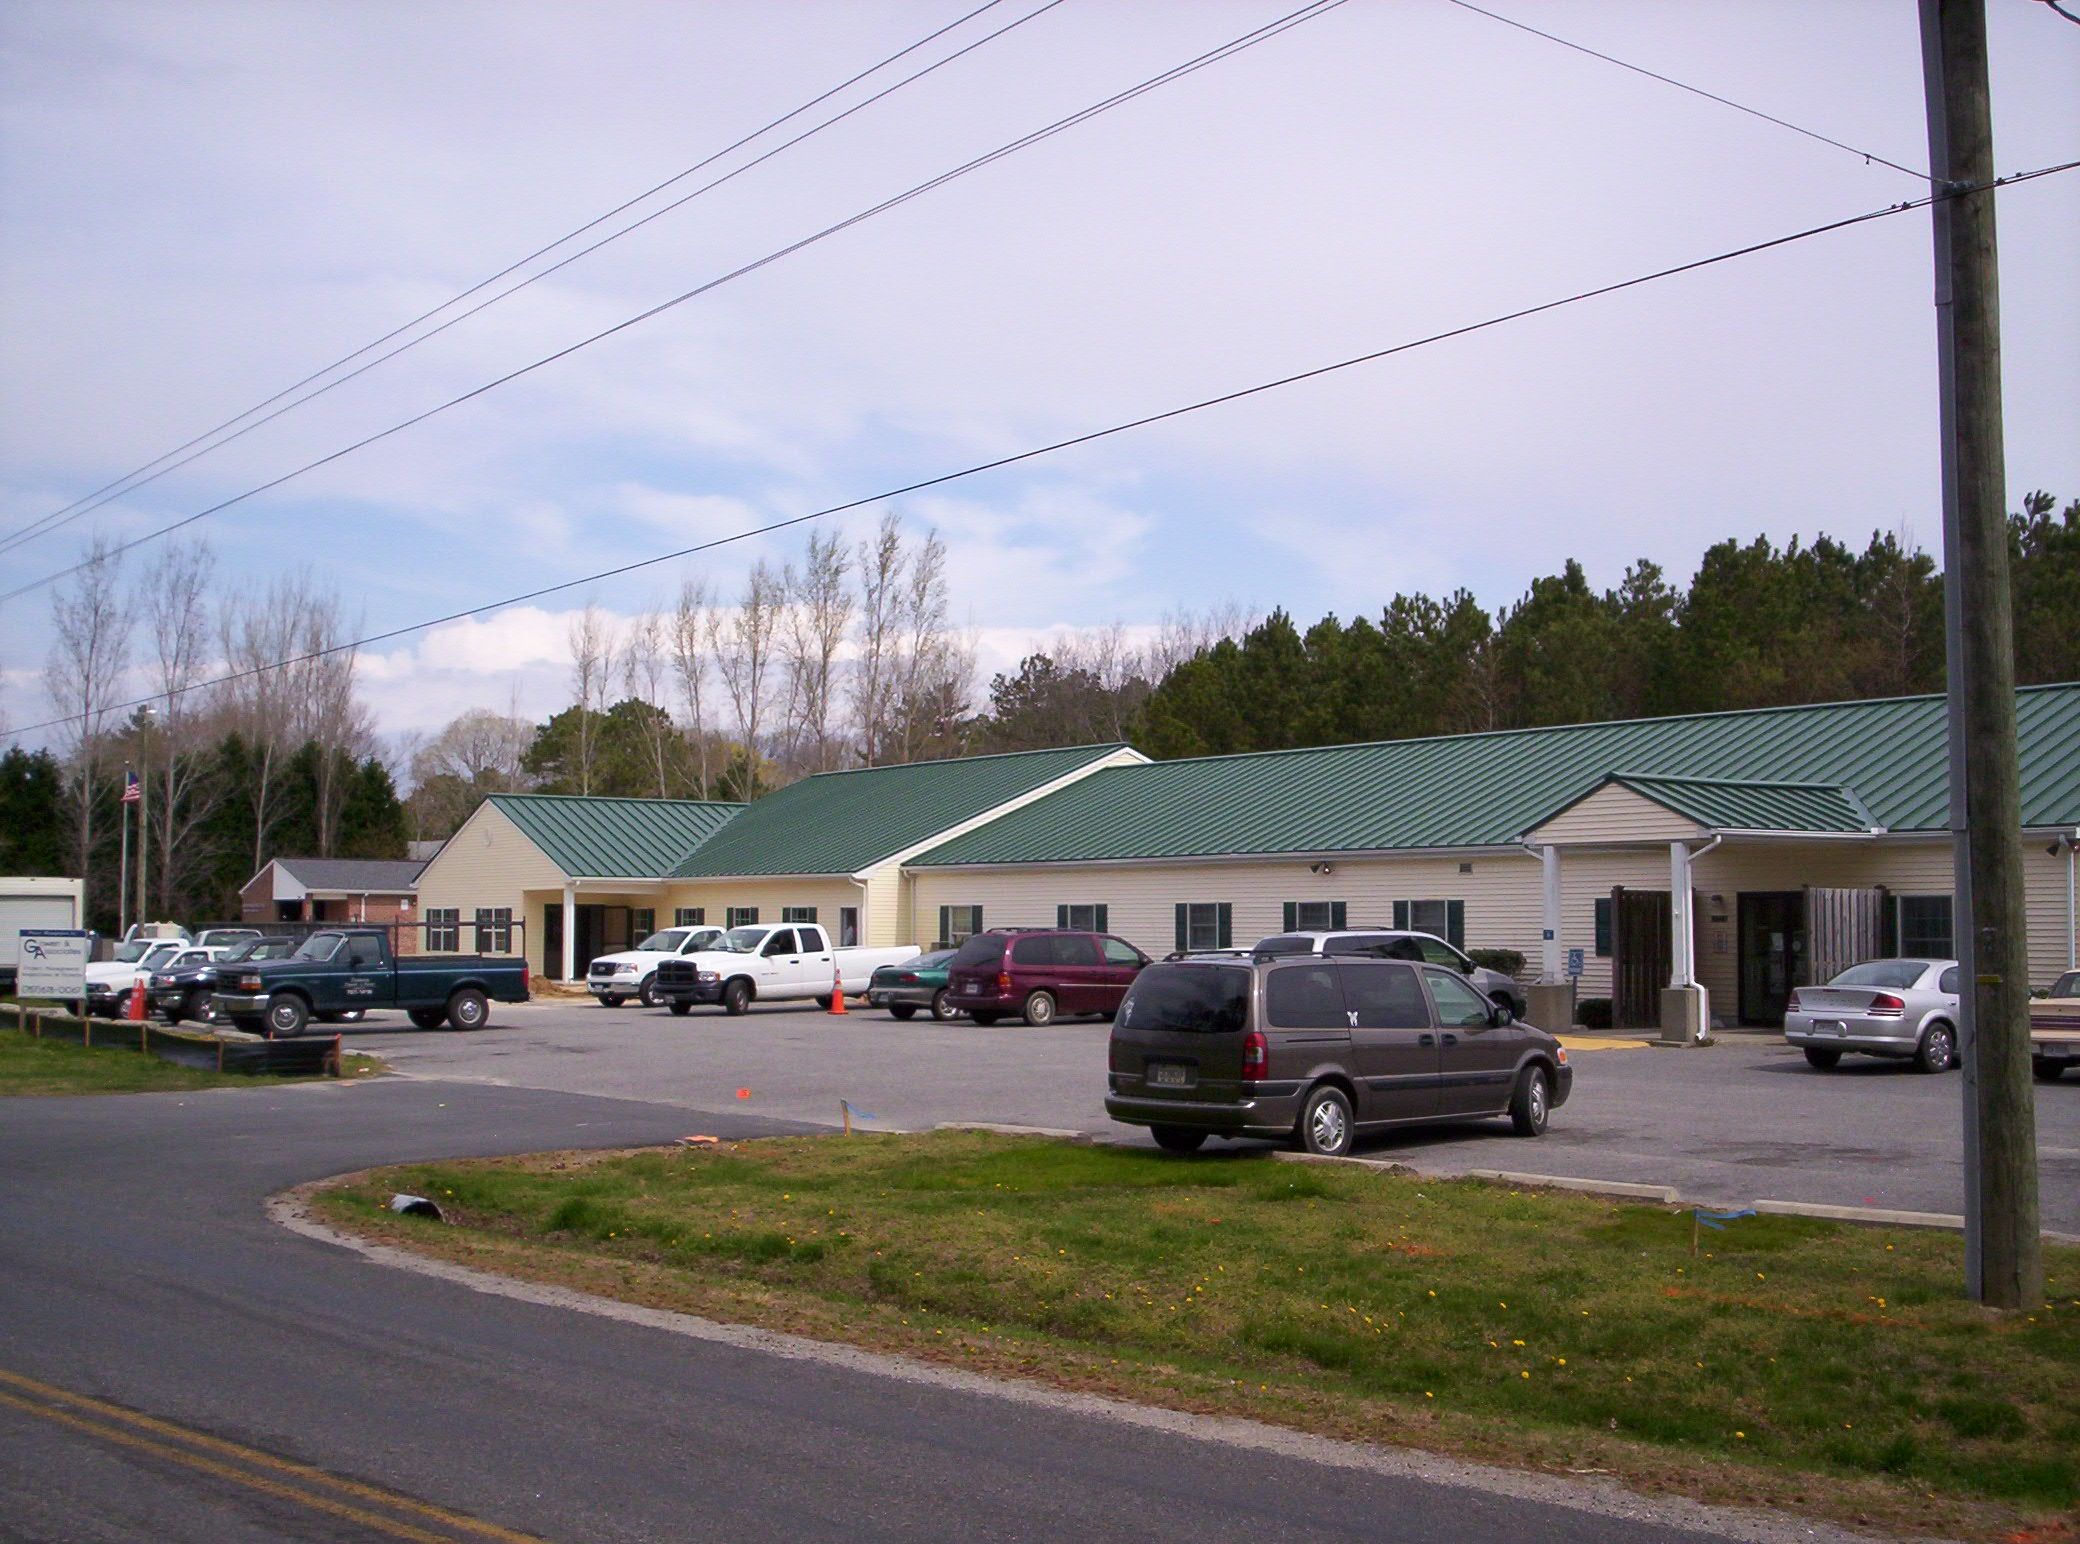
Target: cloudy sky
(203, 203)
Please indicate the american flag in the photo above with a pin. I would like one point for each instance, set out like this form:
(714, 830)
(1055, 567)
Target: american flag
(132, 789)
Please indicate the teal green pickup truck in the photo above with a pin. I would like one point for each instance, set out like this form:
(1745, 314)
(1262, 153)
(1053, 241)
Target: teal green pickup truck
(341, 969)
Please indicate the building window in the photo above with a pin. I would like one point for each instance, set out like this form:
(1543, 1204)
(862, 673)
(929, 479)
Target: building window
(443, 929)
(1205, 925)
(740, 916)
(848, 927)
(1085, 919)
(494, 929)
(1924, 927)
(957, 924)
(1440, 919)
(1603, 927)
(1315, 916)
(689, 916)
(642, 922)
(798, 914)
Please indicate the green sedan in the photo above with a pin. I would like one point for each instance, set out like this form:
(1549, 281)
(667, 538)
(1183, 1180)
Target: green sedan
(919, 983)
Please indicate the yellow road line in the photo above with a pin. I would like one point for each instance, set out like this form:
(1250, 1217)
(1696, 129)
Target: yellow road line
(310, 1474)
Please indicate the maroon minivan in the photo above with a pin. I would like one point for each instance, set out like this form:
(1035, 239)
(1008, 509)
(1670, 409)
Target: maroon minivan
(1040, 973)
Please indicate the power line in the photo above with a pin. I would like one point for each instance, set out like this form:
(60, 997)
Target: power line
(1090, 437)
(1177, 72)
(1681, 85)
(116, 489)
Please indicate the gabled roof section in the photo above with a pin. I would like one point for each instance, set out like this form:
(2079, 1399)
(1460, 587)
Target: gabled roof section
(1487, 789)
(1736, 804)
(593, 838)
(846, 822)
(375, 876)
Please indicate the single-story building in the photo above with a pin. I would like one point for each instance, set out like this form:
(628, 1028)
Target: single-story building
(368, 890)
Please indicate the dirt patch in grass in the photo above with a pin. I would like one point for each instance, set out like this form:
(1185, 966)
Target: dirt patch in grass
(1793, 1363)
(30, 1067)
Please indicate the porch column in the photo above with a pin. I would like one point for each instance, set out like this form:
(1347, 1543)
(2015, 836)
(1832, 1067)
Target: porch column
(570, 931)
(1549, 947)
(1682, 963)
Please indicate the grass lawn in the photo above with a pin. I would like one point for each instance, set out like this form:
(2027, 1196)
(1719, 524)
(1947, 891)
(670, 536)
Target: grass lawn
(1791, 1362)
(29, 1066)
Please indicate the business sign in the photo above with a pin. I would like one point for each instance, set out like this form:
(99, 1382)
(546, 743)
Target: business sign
(53, 963)
(1574, 962)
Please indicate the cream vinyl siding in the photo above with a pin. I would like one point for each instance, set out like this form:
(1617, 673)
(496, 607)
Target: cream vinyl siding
(771, 896)
(889, 921)
(490, 862)
(1614, 813)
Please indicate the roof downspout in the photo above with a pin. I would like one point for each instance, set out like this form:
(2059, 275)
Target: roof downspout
(863, 935)
(2072, 920)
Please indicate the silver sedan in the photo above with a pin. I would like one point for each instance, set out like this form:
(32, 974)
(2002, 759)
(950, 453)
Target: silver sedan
(1898, 1008)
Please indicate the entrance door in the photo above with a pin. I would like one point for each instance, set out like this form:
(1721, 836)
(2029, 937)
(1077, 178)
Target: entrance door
(1641, 956)
(1772, 929)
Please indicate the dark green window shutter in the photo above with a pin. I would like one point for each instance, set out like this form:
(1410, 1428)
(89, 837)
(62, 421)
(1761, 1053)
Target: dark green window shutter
(945, 925)
(978, 919)
(1339, 916)
(1401, 915)
(1455, 923)
(1061, 916)
(1292, 916)
(1184, 926)
(1104, 919)
(1603, 927)
(1225, 937)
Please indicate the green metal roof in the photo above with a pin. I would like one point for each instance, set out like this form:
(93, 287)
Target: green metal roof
(1487, 789)
(613, 838)
(843, 822)
(1732, 804)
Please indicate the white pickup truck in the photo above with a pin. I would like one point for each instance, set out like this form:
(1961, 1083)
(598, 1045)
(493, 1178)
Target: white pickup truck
(615, 978)
(788, 960)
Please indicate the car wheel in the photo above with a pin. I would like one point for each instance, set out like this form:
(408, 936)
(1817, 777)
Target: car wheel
(2045, 1070)
(1325, 1122)
(199, 1007)
(1177, 1139)
(823, 1003)
(468, 1009)
(647, 993)
(679, 1009)
(612, 1002)
(902, 1010)
(942, 1007)
(736, 998)
(1938, 1051)
(1530, 1107)
(1040, 1009)
(427, 1018)
(1823, 1058)
(287, 1016)
(985, 1017)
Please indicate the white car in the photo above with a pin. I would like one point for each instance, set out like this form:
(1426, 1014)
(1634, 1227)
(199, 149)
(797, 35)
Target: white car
(107, 981)
(615, 978)
(790, 961)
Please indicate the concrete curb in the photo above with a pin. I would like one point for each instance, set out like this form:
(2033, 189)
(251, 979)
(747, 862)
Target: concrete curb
(1004, 1130)
(1882, 1217)
(1667, 1195)
(1376, 1165)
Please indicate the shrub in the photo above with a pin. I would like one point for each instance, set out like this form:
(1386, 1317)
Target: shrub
(1509, 961)
(1593, 1013)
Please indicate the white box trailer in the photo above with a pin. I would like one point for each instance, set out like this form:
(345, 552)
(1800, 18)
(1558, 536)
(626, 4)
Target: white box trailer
(48, 903)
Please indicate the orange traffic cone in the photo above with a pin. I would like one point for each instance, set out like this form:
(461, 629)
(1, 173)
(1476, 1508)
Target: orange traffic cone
(134, 1009)
(837, 990)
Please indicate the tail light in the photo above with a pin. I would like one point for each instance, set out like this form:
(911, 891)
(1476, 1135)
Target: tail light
(1884, 1004)
(908, 978)
(1256, 1057)
(1004, 982)
(1791, 1004)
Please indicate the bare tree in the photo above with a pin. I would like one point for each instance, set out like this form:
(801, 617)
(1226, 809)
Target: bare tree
(878, 635)
(83, 676)
(479, 752)
(924, 662)
(742, 642)
(690, 650)
(643, 669)
(592, 671)
(327, 714)
(176, 609)
(819, 611)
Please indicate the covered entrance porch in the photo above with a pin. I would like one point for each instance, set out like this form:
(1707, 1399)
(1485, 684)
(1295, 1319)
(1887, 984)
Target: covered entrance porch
(581, 922)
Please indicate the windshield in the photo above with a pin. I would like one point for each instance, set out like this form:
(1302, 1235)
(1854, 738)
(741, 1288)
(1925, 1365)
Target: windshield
(982, 949)
(1894, 974)
(929, 961)
(2067, 985)
(319, 946)
(130, 953)
(237, 952)
(1286, 943)
(667, 942)
(1210, 1000)
(742, 940)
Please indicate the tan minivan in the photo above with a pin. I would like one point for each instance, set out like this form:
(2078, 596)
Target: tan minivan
(1319, 1050)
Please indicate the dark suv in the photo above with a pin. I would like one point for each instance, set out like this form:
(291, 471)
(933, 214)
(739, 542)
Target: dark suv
(1316, 1050)
(1039, 973)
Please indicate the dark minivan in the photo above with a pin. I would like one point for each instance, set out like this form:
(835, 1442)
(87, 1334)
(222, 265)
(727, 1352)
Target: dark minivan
(1039, 973)
(1316, 1051)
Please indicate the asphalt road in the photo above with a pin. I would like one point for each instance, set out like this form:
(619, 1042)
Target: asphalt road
(1742, 1120)
(169, 1358)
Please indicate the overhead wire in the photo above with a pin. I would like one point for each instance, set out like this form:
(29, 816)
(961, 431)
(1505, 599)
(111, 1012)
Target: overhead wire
(86, 503)
(1683, 85)
(1091, 436)
(1228, 50)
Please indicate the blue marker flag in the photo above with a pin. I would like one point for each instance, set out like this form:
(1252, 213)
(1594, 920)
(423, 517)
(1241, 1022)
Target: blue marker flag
(1720, 1219)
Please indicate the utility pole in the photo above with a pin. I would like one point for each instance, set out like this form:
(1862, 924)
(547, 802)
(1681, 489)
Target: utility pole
(2004, 1263)
(123, 862)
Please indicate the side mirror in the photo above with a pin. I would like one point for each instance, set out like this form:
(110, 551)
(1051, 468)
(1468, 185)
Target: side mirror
(1500, 1017)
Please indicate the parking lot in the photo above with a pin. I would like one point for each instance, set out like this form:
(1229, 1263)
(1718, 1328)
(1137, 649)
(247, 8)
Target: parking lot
(1742, 1120)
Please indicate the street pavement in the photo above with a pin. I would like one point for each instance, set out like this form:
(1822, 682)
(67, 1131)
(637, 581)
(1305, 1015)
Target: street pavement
(175, 1366)
(1741, 1120)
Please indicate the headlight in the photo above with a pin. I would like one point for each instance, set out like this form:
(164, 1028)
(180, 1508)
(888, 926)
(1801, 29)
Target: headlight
(707, 977)
(626, 970)
(162, 981)
(249, 983)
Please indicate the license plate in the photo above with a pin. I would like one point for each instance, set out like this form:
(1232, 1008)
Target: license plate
(1829, 1027)
(1168, 1074)
(971, 988)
